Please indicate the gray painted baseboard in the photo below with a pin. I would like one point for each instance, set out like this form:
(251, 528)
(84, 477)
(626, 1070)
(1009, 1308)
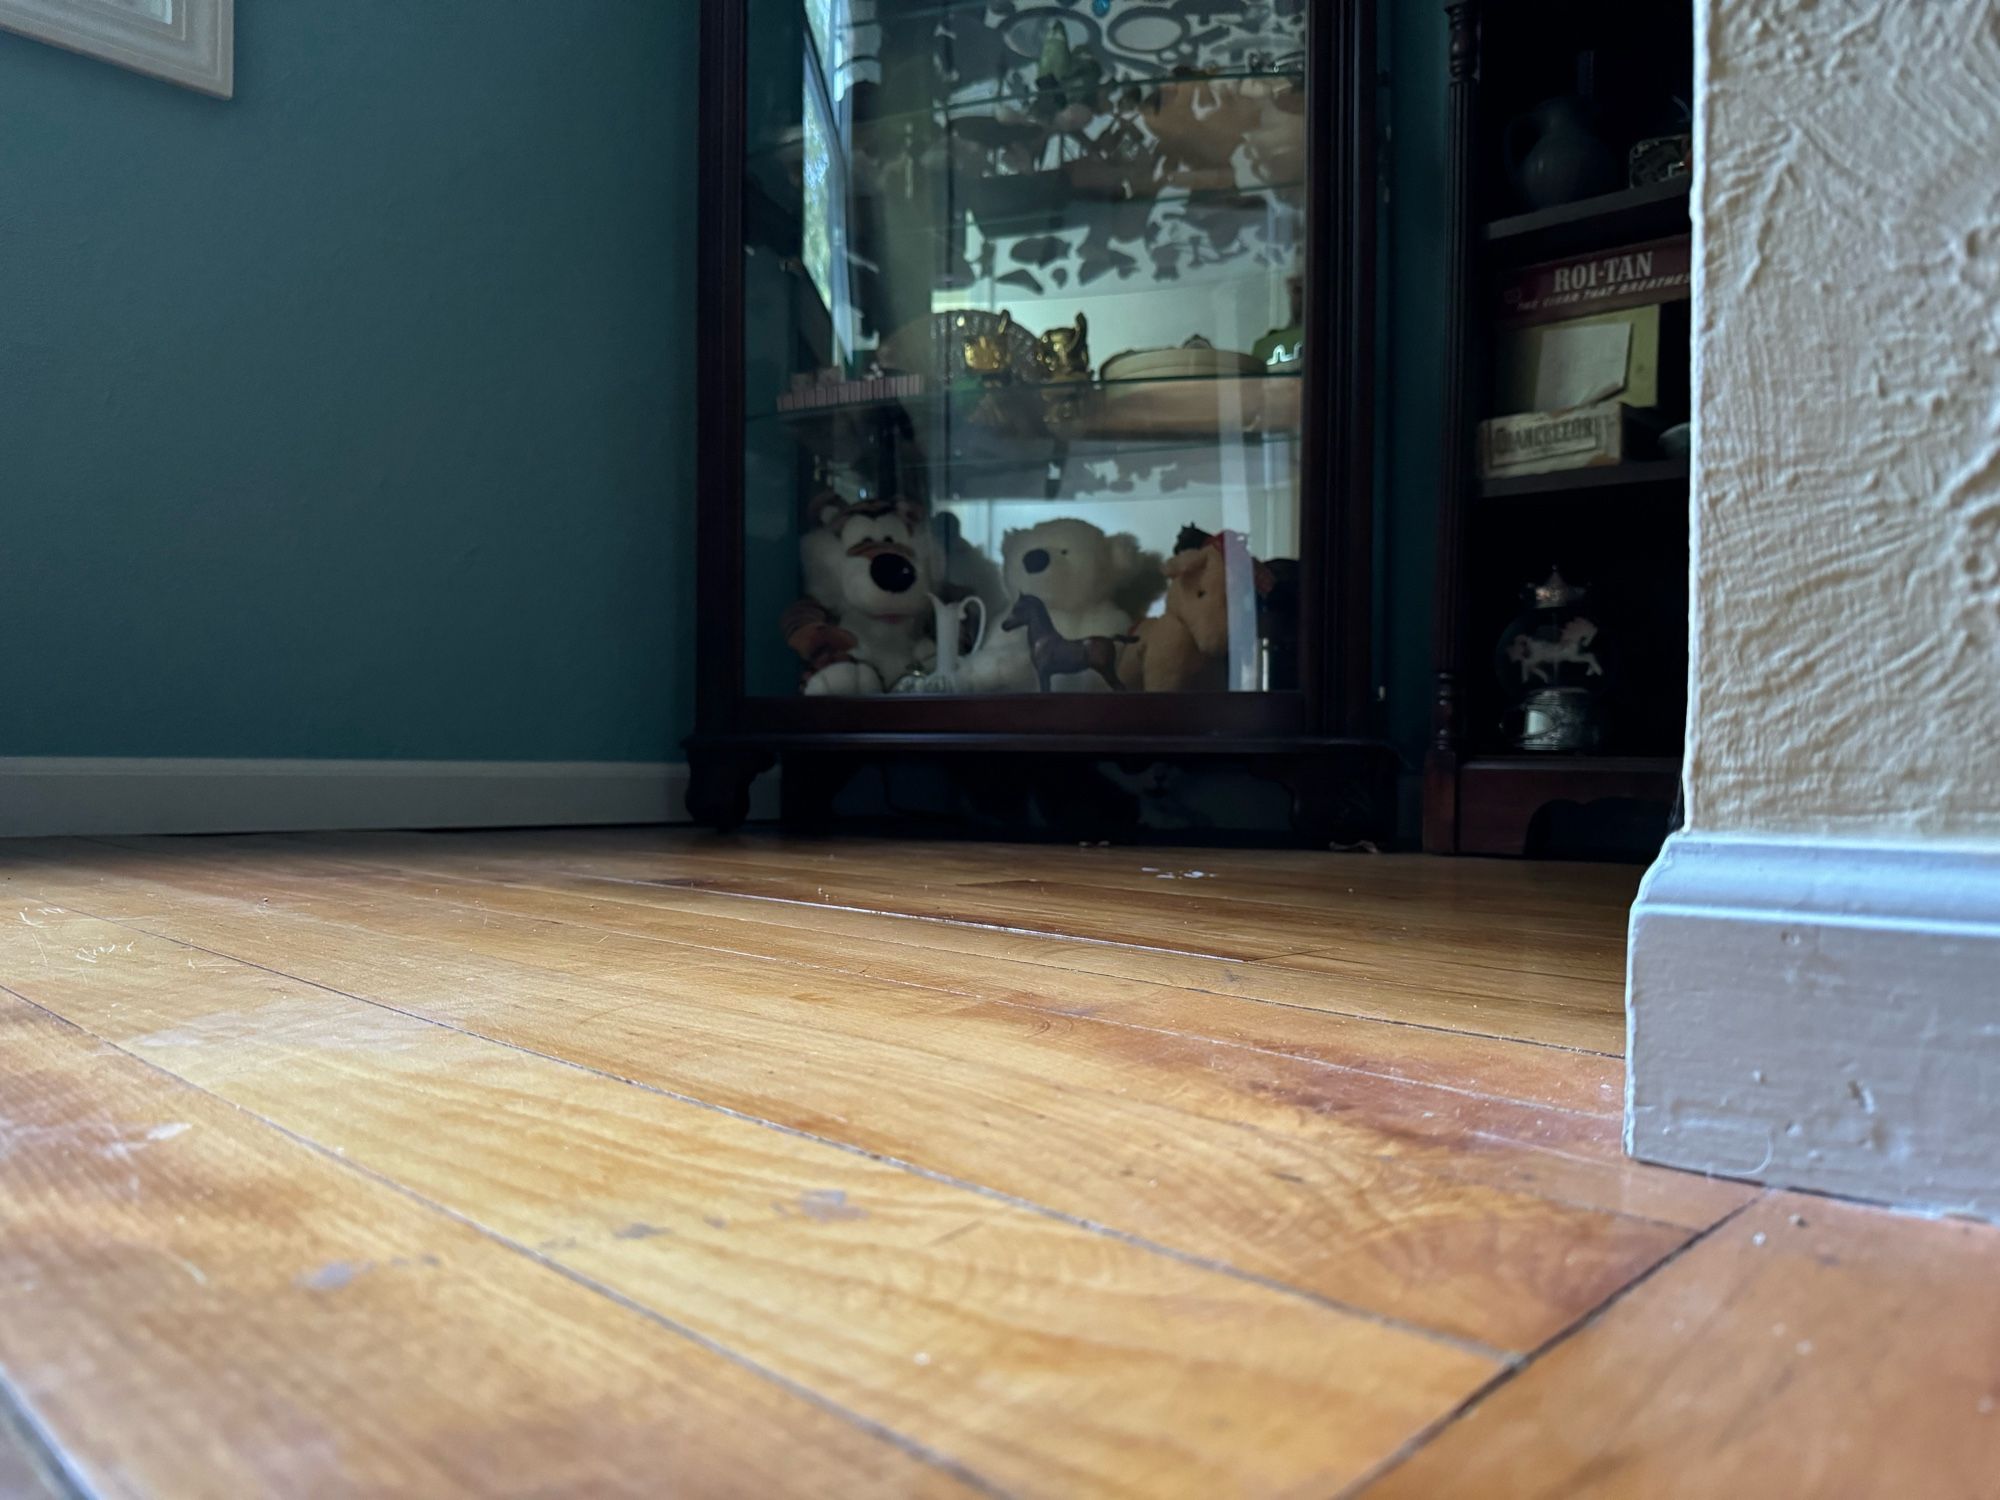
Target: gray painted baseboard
(42, 796)
(1820, 1015)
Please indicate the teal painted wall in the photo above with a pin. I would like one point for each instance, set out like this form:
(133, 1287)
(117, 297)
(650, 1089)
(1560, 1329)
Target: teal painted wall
(354, 416)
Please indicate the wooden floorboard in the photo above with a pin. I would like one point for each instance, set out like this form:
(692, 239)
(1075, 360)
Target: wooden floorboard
(995, 965)
(194, 1304)
(640, 1162)
(906, 1300)
(1374, 969)
(1806, 1349)
(1280, 1168)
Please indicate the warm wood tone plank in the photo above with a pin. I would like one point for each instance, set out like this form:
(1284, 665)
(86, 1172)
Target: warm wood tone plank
(1422, 1205)
(1387, 983)
(1807, 1349)
(1286, 1170)
(970, 961)
(1552, 1154)
(194, 1305)
(1459, 967)
(907, 1300)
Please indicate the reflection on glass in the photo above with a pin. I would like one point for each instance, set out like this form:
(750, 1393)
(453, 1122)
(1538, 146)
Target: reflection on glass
(1023, 346)
(153, 10)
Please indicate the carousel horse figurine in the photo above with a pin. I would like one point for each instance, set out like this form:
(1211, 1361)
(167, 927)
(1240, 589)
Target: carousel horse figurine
(1054, 653)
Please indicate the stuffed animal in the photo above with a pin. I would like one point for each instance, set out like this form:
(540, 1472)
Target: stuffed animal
(1091, 584)
(869, 567)
(1186, 649)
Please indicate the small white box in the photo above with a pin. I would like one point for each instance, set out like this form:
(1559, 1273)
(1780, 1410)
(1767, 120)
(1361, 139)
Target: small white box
(1543, 442)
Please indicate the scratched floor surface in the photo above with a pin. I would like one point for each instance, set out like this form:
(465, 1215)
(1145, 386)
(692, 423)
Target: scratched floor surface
(656, 1164)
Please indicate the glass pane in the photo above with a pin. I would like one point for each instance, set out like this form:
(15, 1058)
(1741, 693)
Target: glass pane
(1022, 345)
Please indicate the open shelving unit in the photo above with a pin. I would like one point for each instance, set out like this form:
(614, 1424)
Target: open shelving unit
(1622, 529)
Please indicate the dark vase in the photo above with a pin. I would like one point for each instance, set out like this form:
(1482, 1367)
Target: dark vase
(1554, 155)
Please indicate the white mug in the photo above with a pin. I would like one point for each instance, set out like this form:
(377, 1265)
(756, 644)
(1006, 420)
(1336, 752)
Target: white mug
(949, 618)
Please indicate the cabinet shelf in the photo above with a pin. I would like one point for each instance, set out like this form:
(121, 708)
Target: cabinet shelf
(1015, 426)
(903, 14)
(941, 116)
(948, 404)
(1652, 471)
(1639, 213)
(1060, 199)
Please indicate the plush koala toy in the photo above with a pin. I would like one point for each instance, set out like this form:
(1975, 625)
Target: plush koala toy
(1092, 584)
(868, 568)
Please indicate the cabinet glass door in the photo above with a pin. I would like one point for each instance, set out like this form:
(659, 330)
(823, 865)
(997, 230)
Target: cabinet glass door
(1022, 345)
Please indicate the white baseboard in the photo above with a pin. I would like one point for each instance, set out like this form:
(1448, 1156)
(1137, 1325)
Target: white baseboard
(1820, 1015)
(46, 796)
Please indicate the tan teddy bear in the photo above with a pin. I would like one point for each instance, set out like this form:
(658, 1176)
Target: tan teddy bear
(1186, 650)
(1092, 583)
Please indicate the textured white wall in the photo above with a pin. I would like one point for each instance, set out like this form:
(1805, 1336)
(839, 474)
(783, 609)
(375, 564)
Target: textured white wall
(1847, 513)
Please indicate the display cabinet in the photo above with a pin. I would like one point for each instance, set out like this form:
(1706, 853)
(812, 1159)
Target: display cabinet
(1036, 392)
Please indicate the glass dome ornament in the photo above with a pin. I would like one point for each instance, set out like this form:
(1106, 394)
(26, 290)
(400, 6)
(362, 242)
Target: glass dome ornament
(1550, 663)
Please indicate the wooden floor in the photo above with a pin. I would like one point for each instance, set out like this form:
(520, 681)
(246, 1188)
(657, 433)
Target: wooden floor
(655, 1164)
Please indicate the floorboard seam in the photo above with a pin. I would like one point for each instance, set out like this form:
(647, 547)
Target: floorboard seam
(920, 988)
(1057, 937)
(1520, 1364)
(911, 916)
(1447, 1174)
(1185, 1257)
(1333, 955)
(1070, 1014)
(409, 872)
(884, 1433)
(1272, 960)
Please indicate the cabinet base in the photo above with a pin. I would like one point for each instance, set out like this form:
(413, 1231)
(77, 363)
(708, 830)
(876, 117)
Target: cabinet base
(1056, 787)
(1507, 804)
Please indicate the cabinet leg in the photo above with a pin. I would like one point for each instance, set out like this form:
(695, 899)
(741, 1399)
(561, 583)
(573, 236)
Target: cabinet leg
(719, 784)
(812, 781)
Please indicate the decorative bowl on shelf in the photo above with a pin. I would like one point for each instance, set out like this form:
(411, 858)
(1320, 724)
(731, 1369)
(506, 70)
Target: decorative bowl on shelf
(1195, 390)
(1194, 359)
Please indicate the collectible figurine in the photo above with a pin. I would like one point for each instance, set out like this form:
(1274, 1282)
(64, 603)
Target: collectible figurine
(986, 353)
(1053, 652)
(1064, 353)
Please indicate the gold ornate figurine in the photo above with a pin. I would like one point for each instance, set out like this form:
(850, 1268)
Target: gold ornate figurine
(986, 351)
(1064, 353)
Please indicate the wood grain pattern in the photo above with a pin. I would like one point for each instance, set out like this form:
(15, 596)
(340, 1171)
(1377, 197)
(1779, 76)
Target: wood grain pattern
(1518, 1217)
(906, 1300)
(1807, 1349)
(196, 1306)
(586, 1163)
(856, 891)
(999, 964)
